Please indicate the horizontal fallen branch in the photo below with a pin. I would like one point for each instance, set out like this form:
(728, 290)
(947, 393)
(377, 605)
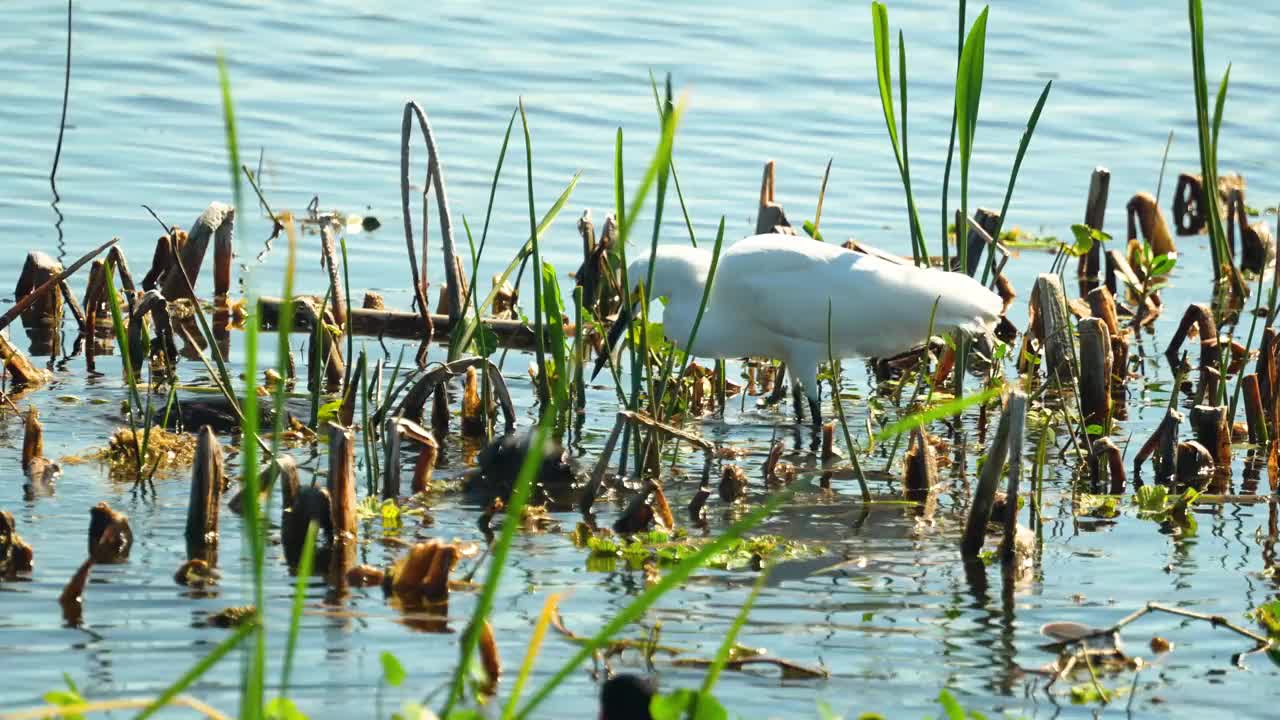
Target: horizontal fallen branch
(399, 324)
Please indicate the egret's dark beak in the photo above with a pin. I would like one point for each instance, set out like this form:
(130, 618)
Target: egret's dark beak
(616, 331)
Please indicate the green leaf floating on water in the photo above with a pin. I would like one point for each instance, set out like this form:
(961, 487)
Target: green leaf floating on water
(686, 705)
(666, 549)
(393, 672)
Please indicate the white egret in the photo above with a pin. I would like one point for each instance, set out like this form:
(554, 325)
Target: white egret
(770, 296)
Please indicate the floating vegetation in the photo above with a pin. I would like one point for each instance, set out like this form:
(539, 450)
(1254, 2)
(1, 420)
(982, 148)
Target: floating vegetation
(668, 548)
(166, 450)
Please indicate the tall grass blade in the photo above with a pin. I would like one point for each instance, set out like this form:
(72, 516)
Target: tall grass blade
(252, 701)
(498, 558)
(924, 417)
(305, 563)
(549, 609)
(456, 346)
(199, 669)
(839, 408)
(544, 388)
(1207, 140)
(880, 26)
(731, 638)
(951, 146)
(1013, 176)
(968, 98)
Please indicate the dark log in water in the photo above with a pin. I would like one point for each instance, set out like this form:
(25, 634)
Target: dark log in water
(206, 492)
(1095, 211)
(401, 325)
(110, 537)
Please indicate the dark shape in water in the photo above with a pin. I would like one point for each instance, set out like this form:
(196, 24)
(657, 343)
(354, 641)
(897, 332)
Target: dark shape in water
(626, 697)
(499, 463)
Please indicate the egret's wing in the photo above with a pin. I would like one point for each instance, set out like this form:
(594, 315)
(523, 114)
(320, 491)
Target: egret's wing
(877, 308)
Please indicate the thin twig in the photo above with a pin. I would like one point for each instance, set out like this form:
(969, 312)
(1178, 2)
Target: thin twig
(51, 711)
(62, 124)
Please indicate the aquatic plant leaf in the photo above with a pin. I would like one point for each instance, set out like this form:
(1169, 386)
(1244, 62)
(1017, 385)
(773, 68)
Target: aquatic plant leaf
(924, 417)
(950, 706)
(283, 709)
(687, 705)
(393, 672)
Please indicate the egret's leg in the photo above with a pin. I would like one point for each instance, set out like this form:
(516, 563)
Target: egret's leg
(815, 408)
(797, 392)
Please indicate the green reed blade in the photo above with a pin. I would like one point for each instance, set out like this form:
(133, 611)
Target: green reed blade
(673, 577)
(1013, 177)
(946, 409)
(299, 597)
(730, 639)
(200, 668)
(951, 146)
(968, 97)
(520, 494)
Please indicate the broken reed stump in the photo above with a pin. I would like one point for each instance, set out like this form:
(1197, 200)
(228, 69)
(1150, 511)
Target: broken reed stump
(16, 554)
(217, 220)
(1106, 463)
(1254, 412)
(1161, 447)
(1143, 214)
(45, 311)
(32, 438)
(1094, 213)
(1194, 463)
(474, 414)
(1016, 409)
(1050, 325)
(1212, 428)
(72, 597)
(1201, 316)
(206, 493)
(440, 410)
(989, 221)
(733, 484)
(21, 372)
(326, 359)
(984, 495)
(921, 467)
(110, 537)
(283, 469)
(400, 325)
(342, 483)
(1257, 248)
(1189, 209)
(1095, 372)
(770, 217)
(57, 282)
(421, 576)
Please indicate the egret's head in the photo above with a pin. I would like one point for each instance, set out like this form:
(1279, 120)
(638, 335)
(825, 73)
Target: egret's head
(678, 270)
(679, 273)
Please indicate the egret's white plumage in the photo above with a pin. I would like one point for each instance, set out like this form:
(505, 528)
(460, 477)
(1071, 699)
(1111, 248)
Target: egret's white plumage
(771, 292)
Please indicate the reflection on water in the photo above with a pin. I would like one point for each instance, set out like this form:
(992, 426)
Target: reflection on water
(889, 608)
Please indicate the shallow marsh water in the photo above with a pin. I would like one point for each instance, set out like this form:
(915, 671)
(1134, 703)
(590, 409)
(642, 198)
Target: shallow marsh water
(319, 86)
